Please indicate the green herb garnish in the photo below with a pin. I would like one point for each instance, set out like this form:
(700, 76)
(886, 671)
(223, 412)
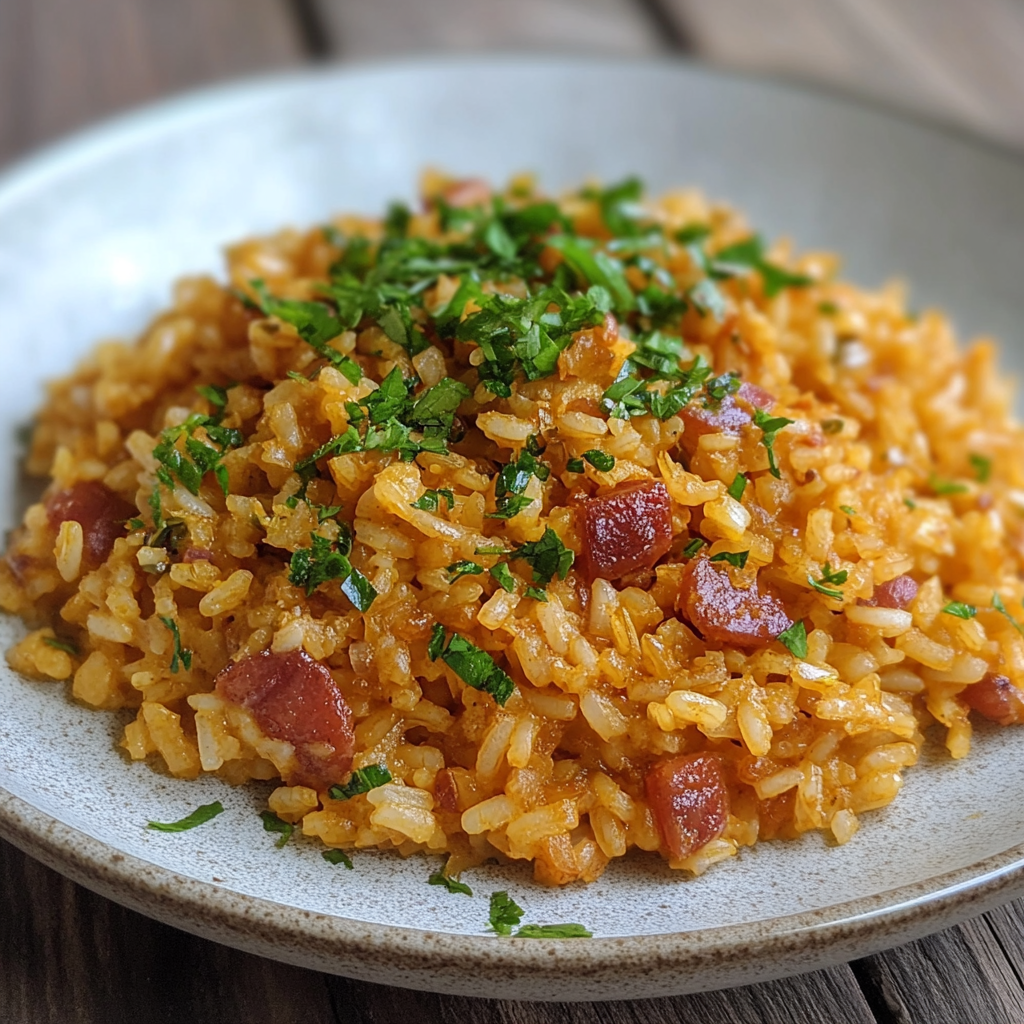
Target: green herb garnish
(60, 645)
(737, 559)
(960, 610)
(795, 638)
(850, 511)
(272, 823)
(829, 576)
(326, 560)
(362, 780)
(199, 816)
(737, 487)
(451, 884)
(181, 655)
(943, 487)
(430, 500)
(982, 467)
(693, 547)
(749, 254)
(997, 603)
(770, 426)
(475, 667)
(464, 568)
(337, 857)
(503, 575)
(547, 557)
(833, 426)
(505, 913)
(601, 461)
(216, 395)
(575, 466)
(183, 454)
(553, 931)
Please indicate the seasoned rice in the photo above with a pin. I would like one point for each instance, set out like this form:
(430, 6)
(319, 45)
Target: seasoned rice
(699, 548)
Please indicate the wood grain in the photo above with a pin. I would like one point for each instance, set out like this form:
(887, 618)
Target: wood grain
(960, 61)
(64, 63)
(399, 26)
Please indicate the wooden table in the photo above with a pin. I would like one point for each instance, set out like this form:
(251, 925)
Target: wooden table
(68, 955)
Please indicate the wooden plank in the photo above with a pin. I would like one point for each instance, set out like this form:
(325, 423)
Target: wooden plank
(943, 57)
(399, 26)
(833, 996)
(69, 955)
(64, 62)
(956, 976)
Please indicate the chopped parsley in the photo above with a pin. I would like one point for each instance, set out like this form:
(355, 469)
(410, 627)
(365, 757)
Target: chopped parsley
(770, 426)
(960, 610)
(997, 603)
(181, 655)
(553, 931)
(601, 461)
(183, 454)
(272, 823)
(464, 568)
(795, 638)
(505, 913)
(749, 255)
(362, 780)
(630, 396)
(316, 325)
(982, 466)
(592, 265)
(575, 466)
(693, 547)
(943, 487)
(135, 523)
(60, 645)
(830, 579)
(475, 667)
(828, 308)
(326, 560)
(737, 487)
(910, 503)
(737, 559)
(707, 299)
(511, 481)
(430, 500)
(833, 426)
(849, 510)
(199, 816)
(503, 574)
(537, 594)
(547, 557)
(718, 388)
(337, 857)
(451, 884)
(216, 395)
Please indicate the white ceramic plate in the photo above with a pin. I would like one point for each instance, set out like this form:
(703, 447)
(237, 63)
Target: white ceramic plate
(92, 233)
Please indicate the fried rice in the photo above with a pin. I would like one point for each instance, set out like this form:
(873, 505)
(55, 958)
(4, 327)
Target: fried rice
(533, 529)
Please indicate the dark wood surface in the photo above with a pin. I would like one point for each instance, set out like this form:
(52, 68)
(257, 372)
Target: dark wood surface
(68, 955)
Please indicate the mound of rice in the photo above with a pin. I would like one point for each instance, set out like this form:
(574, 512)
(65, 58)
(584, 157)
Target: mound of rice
(533, 529)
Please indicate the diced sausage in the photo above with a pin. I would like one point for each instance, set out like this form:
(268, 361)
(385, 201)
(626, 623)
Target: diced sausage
(897, 593)
(295, 698)
(627, 529)
(725, 417)
(721, 611)
(100, 512)
(995, 697)
(689, 801)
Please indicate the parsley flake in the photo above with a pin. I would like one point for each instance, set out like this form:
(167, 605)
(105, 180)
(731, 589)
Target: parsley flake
(272, 823)
(982, 467)
(548, 557)
(575, 466)
(833, 426)
(337, 857)
(362, 780)
(770, 426)
(553, 931)
(829, 576)
(737, 559)
(183, 454)
(475, 667)
(795, 638)
(997, 603)
(451, 884)
(503, 575)
(181, 655)
(849, 510)
(463, 568)
(737, 487)
(505, 913)
(199, 816)
(944, 487)
(601, 461)
(693, 547)
(430, 500)
(60, 645)
(960, 610)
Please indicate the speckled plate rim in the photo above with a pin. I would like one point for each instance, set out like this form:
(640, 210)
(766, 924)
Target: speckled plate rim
(600, 968)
